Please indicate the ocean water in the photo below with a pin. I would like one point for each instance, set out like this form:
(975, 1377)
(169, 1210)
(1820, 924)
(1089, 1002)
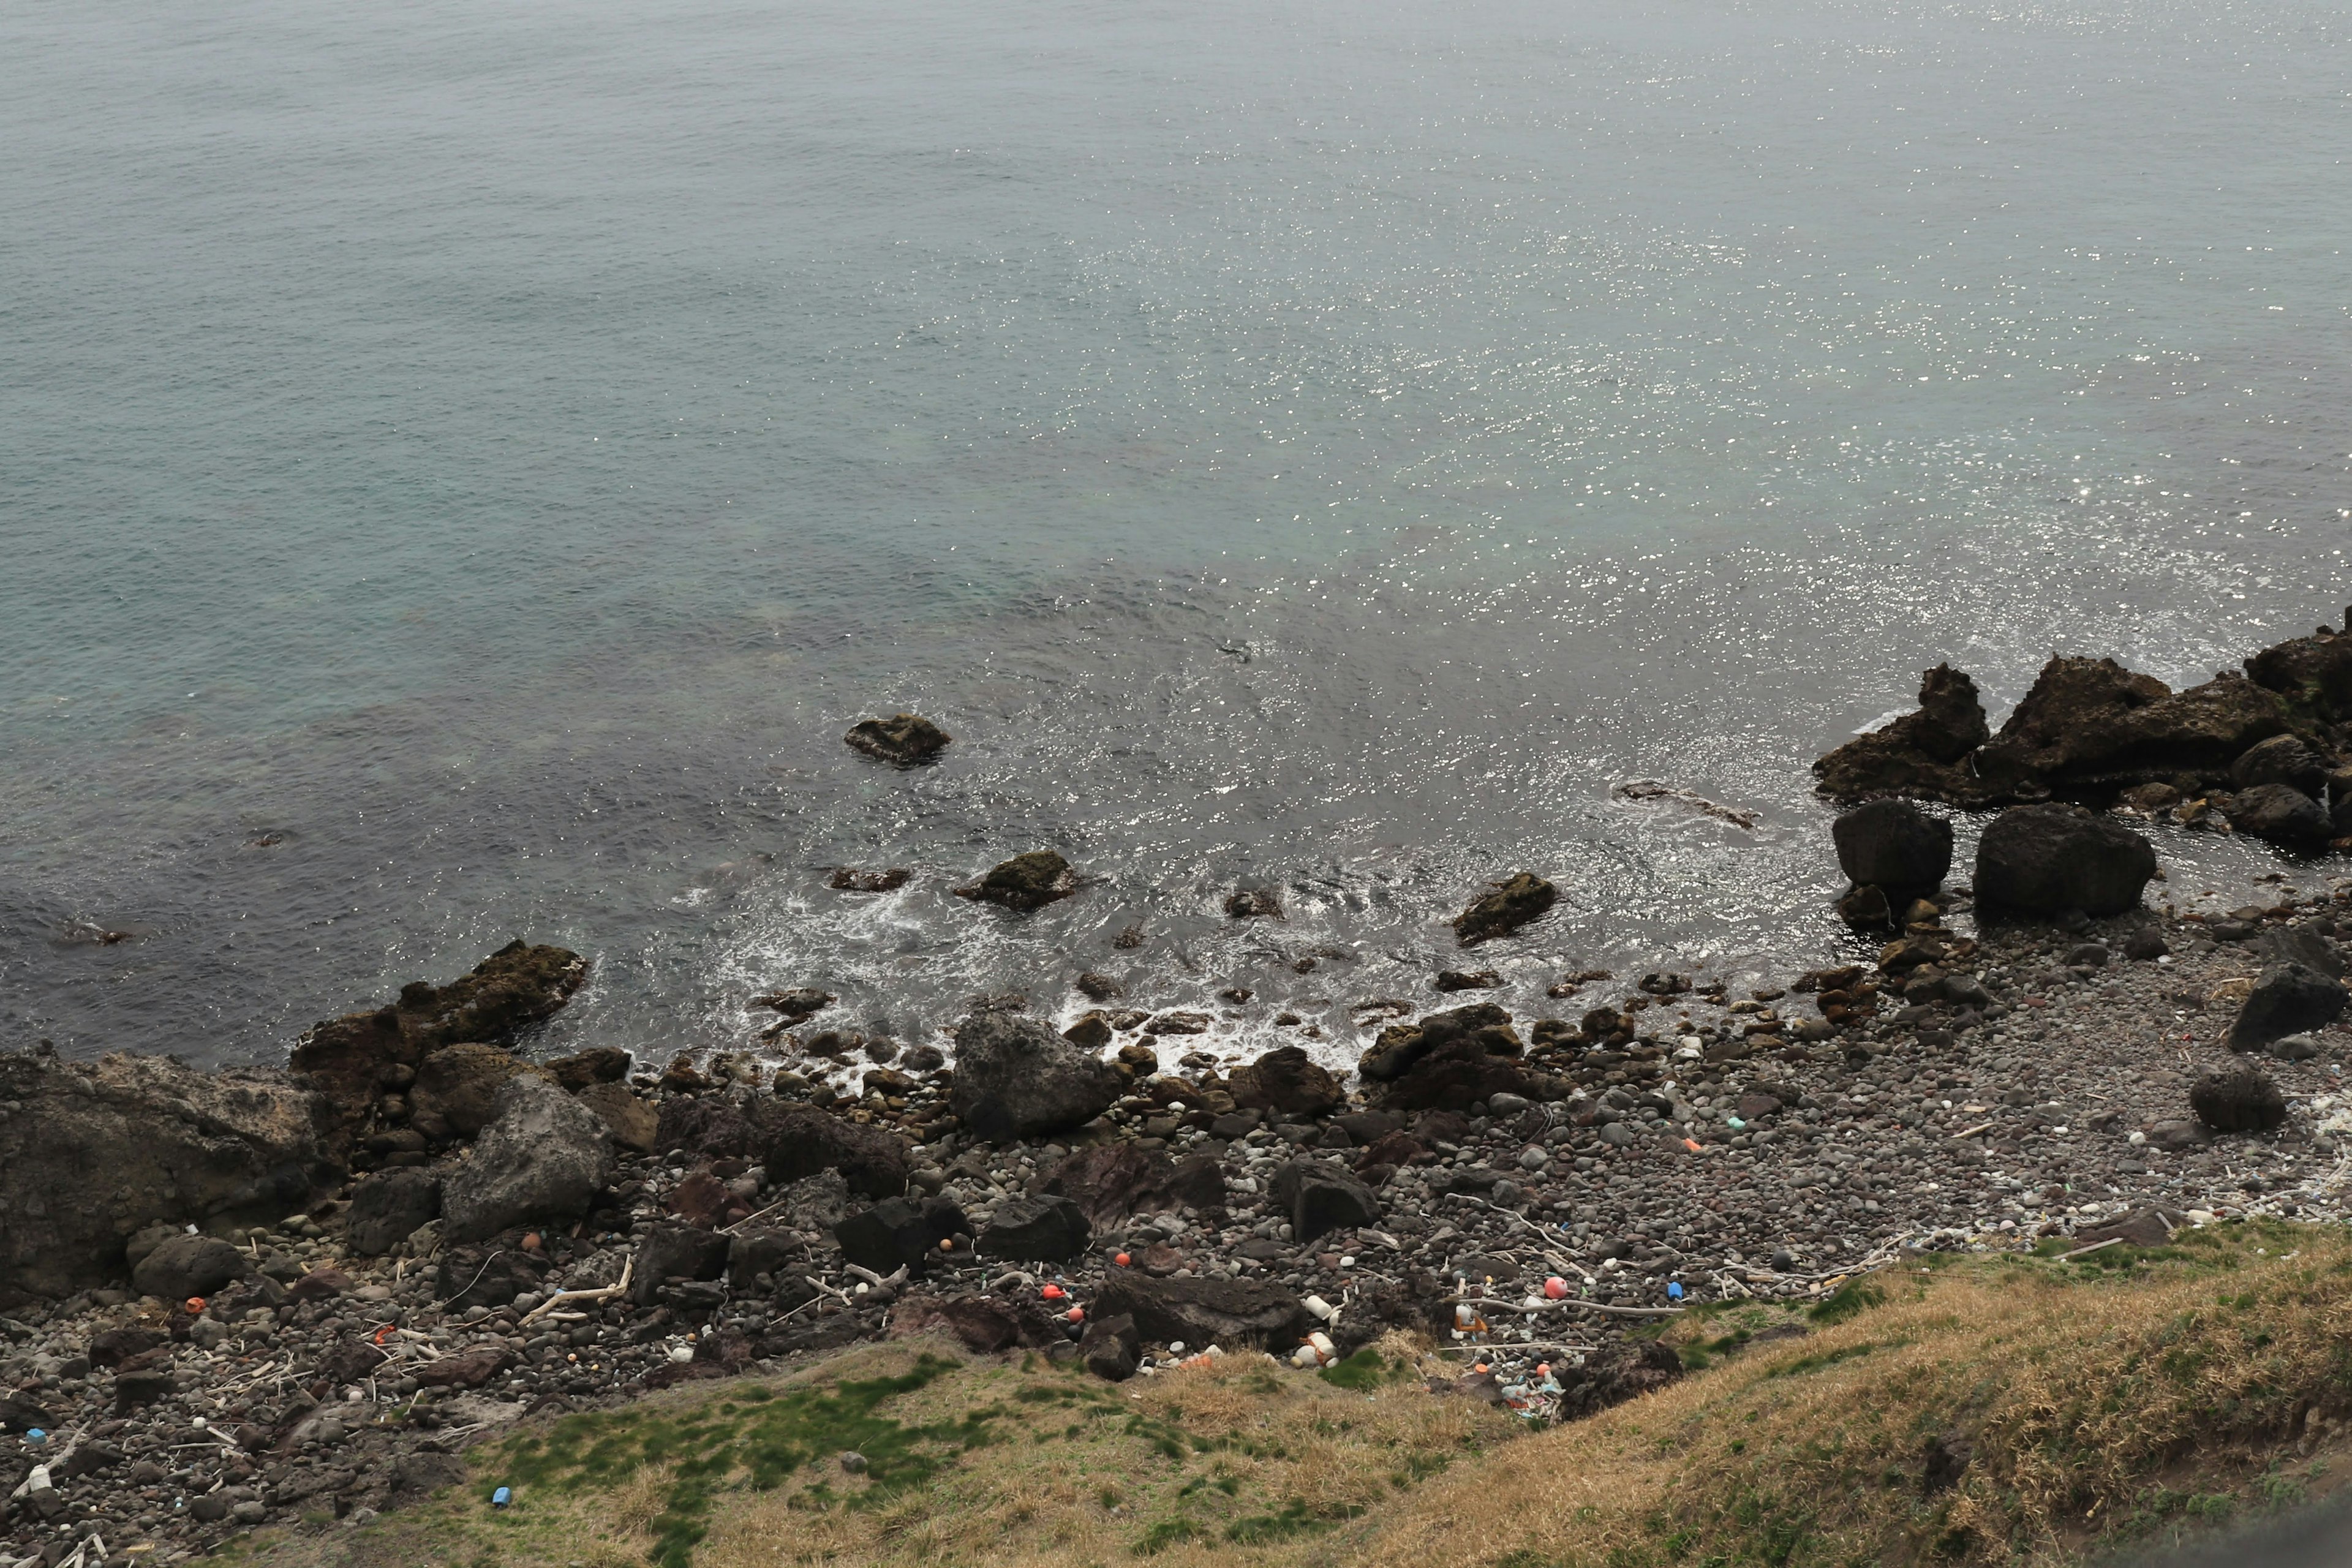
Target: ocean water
(463, 466)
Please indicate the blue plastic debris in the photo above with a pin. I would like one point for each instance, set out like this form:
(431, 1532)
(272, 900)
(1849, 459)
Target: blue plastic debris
(35, 1437)
(1673, 1290)
(503, 1496)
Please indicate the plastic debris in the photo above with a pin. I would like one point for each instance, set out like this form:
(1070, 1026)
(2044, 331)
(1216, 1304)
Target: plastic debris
(1076, 1314)
(35, 1437)
(1555, 1289)
(196, 1306)
(1053, 1292)
(681, 1354)
(1673, 1290)
(503, 1496)
(1322, 1309)
(1123, 1261)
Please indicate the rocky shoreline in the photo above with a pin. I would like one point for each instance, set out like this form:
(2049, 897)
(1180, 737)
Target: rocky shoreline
(287, 1297)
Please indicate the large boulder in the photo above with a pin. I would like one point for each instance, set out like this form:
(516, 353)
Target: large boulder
(188, 1266)
(389, 1206)
(1042, 1228)
(1025, 883)
(632, 1121)
(2237, 1099)
(2287, 999)
(1504, 908)
(1460, 1075)
(1320, 1197)
(1917, 754)
(353, 1059)
(1228, 1313)
(802, 1140)
(2314, 673)
(1112, 1180)
(1892, 844)
(2093, 723)
(896, 1232)
(671, 1252)
(92, 1154)
(1399, 1045)
(1015, 1076)
(457, 1089)
(1288, 1080)
(2047, 859)
(2282, 814)
(2281, 760)
(904, 739)
(543, 1157)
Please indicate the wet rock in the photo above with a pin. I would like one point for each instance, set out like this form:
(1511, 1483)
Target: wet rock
(896, 1232)
(2046, 859)
(1286, 1080)
(390, 1204)
(188, 1266)
(2281, 760)
(1457, 1074)
(795, 1001)
(1091, 1032)
(904, 739)
(2243, 1099)
(2093, 722)
(1507, 905)
(802, 1140)
(1014, 1077)
(2282, 814)
(1101, 988)
(1255, 903)
(1320, 1197)
(1112, 1347)
(1893, 844)
(1918, 754)
(673, 1252)
(544, 1158)
(173, 1145)
(1867, 909)
(848, 880)
(1399, 1045)
(459, 1085)
(1179, 1023)
(2314, 673)
(2287, 998)
(1229, 1313)
(604, 1063)
(1467, 980)
(1025, 883)
(631, 1123)
(1043, 1229)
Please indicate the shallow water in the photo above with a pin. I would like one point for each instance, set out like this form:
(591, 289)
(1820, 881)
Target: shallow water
(497, 452)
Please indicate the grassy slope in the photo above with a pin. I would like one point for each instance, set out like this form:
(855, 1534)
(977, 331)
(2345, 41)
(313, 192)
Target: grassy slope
(2123, 1395)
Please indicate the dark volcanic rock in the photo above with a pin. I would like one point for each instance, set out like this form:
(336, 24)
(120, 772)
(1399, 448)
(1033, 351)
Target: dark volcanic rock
(1893, 844)
(1917, 754)
(1320, 1197)
(1467, 980)
(487, 1275)
(1015, 1076)
(459, 1084)
(544, 1158)
(895, 1232)
(2287, 999)
(1286, 1080)
(1455, 1076)
(91, 1153)
(904, 739)
(984, 1325)
(2238, 1100)
(1505, 908)
(2313, 672)
(388, 1205)
(1112, 1347)
(677, 1252)
(850, 880)
(1112, 1180)
(805, 1141)
(2301, 944)
(1399, 1045)
(1025, 883)
(1229, 1313)
(1043, 1229)
(605, 1064)
(2281, 760)
(2046, 859)
(2282, 814)
(1631, 1369)
(188, 1266)
(1252, 903)
(2093, 722)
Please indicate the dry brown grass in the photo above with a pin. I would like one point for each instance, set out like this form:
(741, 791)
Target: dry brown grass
(2125, 1396)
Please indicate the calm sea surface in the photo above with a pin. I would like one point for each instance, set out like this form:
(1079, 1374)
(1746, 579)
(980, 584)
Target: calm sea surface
(496, 450)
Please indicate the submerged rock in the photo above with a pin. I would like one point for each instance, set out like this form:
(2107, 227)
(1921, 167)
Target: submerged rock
(904, 739)
(1025, 883)
(1252, 903)
(1505, 908)
(2048, 859)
